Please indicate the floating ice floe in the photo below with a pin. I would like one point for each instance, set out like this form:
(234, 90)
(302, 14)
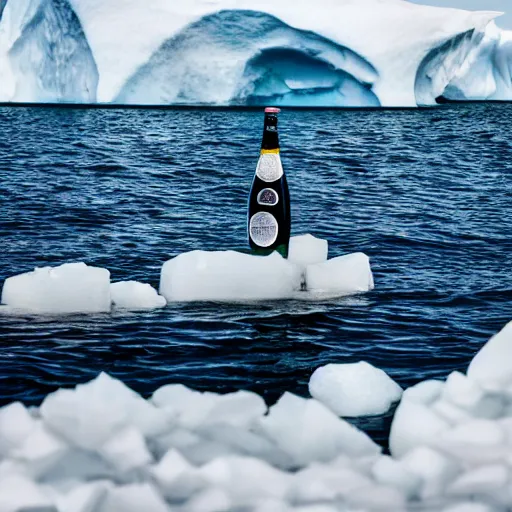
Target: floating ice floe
(354, 390)
(233, 276)
(195, 276)
(70, 288)
(135, 296)
(102, 447)
(228, 276)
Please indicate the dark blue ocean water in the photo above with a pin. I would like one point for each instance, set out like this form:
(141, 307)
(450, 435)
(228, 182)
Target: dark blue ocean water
(425, 193)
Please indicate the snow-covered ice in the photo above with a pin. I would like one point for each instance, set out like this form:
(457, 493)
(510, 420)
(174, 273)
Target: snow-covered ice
(350, 53)
(102, 447)
(70, 288)
(353, 390)
(136, 296)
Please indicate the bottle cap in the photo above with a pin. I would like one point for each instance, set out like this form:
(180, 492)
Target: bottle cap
(272, 110)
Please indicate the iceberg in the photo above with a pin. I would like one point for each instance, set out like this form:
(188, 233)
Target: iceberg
(351, 53)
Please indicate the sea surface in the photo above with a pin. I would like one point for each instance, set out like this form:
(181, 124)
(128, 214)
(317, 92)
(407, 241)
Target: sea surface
(427, 194)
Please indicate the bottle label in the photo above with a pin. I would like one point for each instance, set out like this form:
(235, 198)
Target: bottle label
(263, 229)
(268, 197)
(269, 168)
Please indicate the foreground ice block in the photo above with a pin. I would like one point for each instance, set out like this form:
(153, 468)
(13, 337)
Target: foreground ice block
(341, 276)
(414, 424)
(89, 415)
(491, 368)
(136, 296)
(309, 432)
(228, 276)
(354, 390)
(307, 250)
(18, 493)
(70, 288)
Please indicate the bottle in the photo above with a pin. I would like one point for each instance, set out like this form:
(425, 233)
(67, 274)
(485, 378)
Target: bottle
(269, 222)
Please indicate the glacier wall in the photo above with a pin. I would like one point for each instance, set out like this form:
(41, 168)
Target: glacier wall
(250, 52)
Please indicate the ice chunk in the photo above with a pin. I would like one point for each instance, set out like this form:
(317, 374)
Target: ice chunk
(482, 480)
(354, 390)
(237, 409)
(16, 424)
(320, 508)
(75, 464)
(70, 288)
(469, 396)
(194, 409)
(136, 296)
(74, 413)
(307, 250)
(414, 424)
(228, 276)
(84, 497)
(426, 392)
(246, 479)
(126, 450)
(245, 442)
(177, 479)
(388, 471)
(491, 368)
(18, 493)
(476, 441)
(133, 498)
(271, 505)
(461, 391)
(435, 470)
(469, 506)
(318, 483)
(308, 431)
(40, 450)
(210, 500)
(378, 498)
(450, 412)
(341, 276)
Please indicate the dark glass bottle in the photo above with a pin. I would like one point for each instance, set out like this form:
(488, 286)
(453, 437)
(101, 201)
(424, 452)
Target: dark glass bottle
(269, 203)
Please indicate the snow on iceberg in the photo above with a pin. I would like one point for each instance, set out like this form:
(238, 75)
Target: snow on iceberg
(224, 52)
(103, 447)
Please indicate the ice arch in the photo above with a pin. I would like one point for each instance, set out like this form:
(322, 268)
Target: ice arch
(249, 57)
(441, 66)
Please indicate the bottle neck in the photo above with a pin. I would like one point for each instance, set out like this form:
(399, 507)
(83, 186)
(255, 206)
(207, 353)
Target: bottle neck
(270, 135)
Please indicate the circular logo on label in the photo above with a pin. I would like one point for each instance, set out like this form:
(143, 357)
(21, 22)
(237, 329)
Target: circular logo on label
(268, 197)
(269, 168)
(263, 229)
